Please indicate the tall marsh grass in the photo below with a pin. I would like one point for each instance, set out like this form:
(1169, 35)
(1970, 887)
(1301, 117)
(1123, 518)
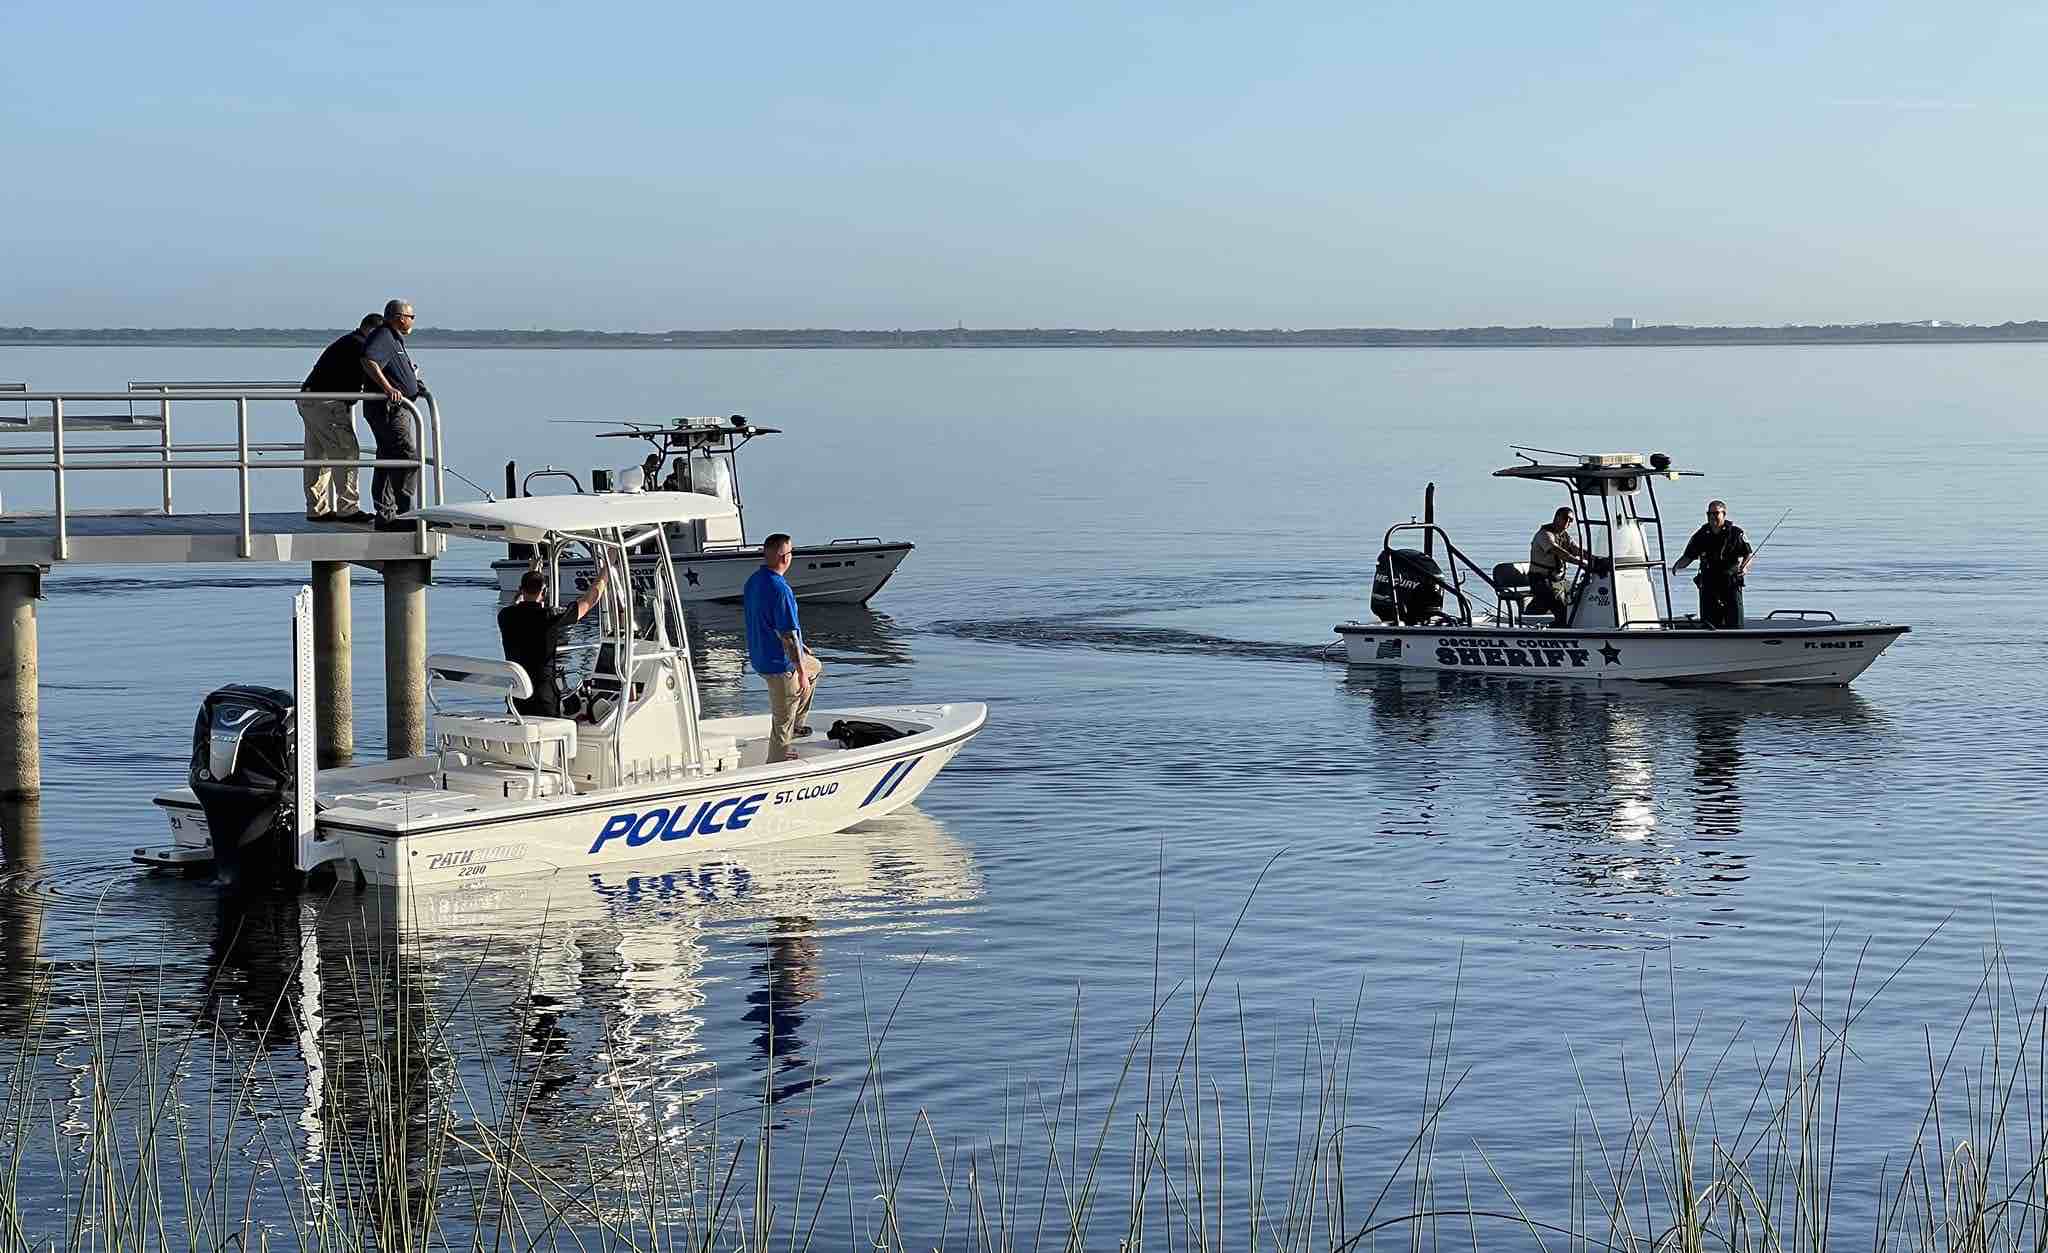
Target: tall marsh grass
(160, 1134)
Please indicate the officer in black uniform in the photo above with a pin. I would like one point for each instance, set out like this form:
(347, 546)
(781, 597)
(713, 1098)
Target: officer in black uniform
(389, 366)
(1724, 555)
(531, 633)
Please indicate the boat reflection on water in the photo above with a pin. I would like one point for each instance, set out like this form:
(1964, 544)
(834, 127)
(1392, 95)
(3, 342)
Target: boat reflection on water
(1717, 765)
(1620, 791)
(583, 1008)
(619, 983)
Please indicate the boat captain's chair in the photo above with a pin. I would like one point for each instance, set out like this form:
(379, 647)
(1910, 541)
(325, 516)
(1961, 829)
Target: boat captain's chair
(1511, 584)
(543, 747)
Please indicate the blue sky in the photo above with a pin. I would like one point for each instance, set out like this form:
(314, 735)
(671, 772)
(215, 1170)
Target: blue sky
(652, 166)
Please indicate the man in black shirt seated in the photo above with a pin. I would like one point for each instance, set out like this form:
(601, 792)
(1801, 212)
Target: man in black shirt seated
(531, 632)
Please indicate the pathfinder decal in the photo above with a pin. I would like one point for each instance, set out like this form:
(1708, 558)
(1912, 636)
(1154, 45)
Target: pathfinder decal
(1527, 654)
(468, 862)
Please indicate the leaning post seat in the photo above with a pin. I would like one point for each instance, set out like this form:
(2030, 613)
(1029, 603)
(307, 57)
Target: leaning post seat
(1512, 585)
(542, 745)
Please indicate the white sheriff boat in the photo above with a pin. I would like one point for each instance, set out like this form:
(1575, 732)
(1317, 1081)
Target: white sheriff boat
(1620, 624)
(712, 555)
(637, 776)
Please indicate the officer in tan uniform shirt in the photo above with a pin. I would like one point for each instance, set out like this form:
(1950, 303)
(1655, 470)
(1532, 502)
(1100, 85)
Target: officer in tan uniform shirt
(1550, 550)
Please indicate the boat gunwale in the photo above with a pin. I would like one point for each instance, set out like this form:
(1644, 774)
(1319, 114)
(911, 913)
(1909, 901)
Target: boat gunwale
(611, 798)
(1792, 627)
(751, 552)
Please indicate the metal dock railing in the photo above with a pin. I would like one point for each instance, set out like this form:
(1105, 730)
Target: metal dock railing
(149, 409)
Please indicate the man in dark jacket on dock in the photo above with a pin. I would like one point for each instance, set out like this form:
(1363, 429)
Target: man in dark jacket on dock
(390, 370)
(1724, 555)
(331, 493)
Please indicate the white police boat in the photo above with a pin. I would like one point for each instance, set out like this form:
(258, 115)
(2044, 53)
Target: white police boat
(712, 556)
(637, 776)
(1619, 622)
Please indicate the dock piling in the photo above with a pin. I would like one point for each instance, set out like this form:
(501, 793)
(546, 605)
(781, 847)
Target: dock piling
(405, 657)
(21, 763)
(334, 683)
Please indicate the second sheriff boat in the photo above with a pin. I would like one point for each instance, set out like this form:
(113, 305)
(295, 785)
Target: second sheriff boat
(712, 556)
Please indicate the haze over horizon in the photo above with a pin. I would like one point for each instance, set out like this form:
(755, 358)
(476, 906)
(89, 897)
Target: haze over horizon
(648, 168)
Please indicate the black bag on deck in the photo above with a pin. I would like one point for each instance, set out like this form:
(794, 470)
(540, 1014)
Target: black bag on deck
(855, 733)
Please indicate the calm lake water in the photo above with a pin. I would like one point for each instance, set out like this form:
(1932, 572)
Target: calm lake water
(1135, 557)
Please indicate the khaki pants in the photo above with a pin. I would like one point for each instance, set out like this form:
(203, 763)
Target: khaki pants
(1546, 595)
(788, 706)
(330, 436)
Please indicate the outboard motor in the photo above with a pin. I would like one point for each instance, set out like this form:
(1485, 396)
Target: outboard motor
(1407, 587)
(244, 771)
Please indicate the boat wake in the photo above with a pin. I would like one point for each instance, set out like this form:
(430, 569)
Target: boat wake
(1089, 631)
(1108, 627)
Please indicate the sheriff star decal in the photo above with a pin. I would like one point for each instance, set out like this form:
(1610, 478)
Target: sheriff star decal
(1610, 654)
(690, 577)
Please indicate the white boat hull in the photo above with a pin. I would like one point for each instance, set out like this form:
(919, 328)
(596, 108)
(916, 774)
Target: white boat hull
(1766, 651)
(431, 840)
(848, 574)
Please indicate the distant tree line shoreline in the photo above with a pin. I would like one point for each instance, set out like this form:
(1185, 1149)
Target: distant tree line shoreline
(961, 337)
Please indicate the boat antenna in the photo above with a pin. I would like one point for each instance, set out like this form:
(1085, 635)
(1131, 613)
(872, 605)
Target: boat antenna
(1523, 451)
(472, 482)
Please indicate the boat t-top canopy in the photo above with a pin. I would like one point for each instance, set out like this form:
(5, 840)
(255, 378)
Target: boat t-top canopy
(537, 519)
(679, 432)
(1593, 467)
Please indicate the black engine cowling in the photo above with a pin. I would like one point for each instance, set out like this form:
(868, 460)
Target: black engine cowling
(244, 771)
(1407, 587)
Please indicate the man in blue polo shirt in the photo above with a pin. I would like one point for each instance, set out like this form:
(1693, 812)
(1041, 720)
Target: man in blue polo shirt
(775, 646)
(389, 368)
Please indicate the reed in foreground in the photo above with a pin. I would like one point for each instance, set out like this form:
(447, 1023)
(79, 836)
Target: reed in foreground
(405, 1130)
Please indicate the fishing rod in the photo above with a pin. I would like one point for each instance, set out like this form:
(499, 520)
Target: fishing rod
(1767, 535)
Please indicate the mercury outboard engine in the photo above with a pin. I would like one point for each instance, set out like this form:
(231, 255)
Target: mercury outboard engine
(244, 771)
(1407, 587)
